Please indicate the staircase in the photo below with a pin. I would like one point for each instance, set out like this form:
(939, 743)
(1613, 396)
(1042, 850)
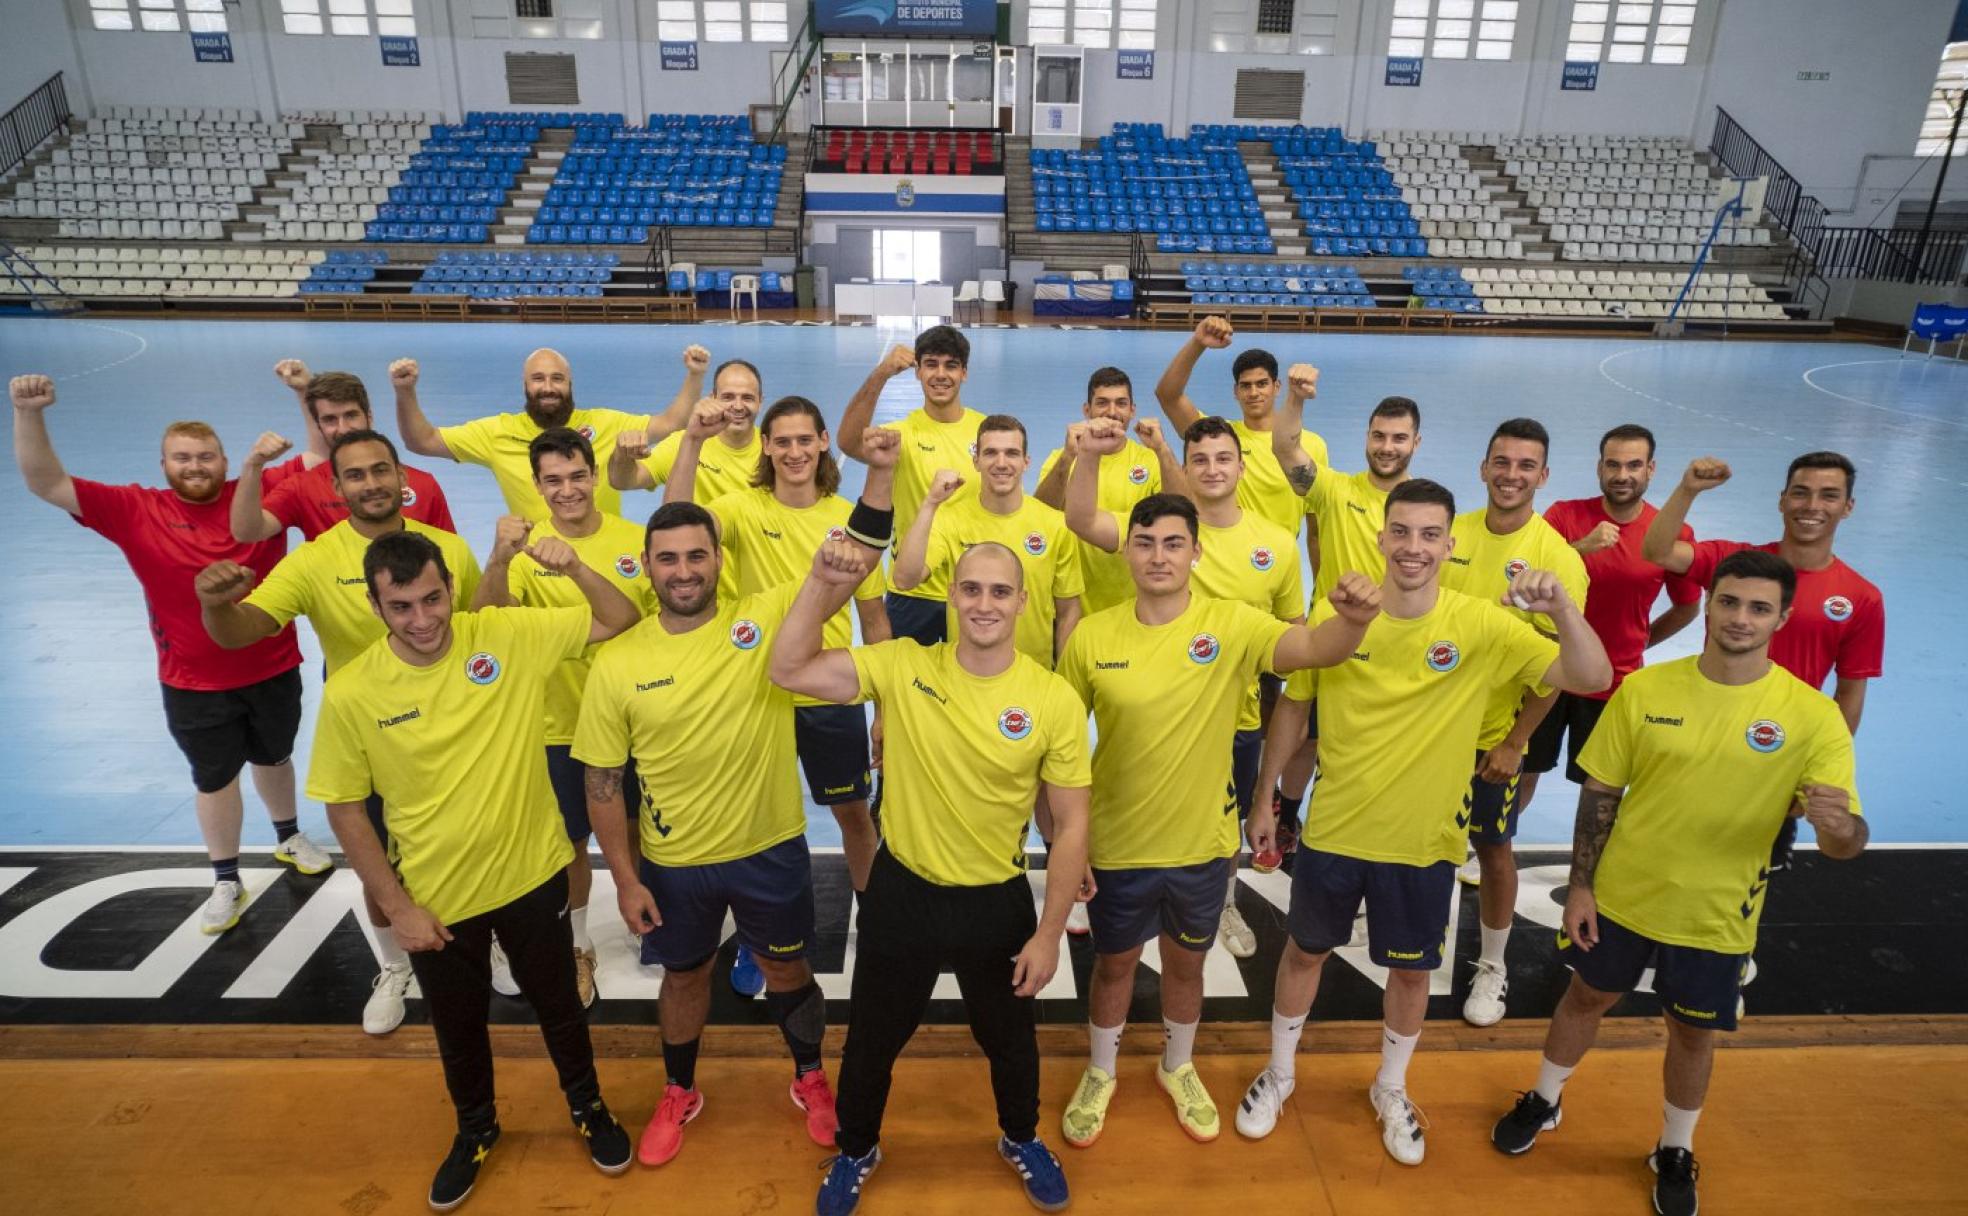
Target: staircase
(1279, 201)
(530, 188)
(1504, 190)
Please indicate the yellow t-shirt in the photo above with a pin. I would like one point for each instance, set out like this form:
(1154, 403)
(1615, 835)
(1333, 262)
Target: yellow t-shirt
(721, 468)
(711, 734)
(1710, 771)
(499, 442)
(615, 551)
(1397, 727)
(964, 756)
(1045, 546)
(1126, 478)
(1255, 562)
(1483, 565)
(1162, 793)
(1351, 512)
(322, 581)
(1263, 488)
(929, 445)
(457, 750)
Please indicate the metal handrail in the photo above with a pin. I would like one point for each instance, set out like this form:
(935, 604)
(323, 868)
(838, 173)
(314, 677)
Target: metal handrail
(37, 116)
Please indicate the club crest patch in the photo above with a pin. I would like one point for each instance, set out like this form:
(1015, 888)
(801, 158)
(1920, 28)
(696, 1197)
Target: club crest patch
(1764, 735)
(627, 566)
(1203, 648)
(1035, 544)
(745, 634)
(1014, 724)
(482, 668)
(1837, 608)
(1262, 559)
(1444, 656)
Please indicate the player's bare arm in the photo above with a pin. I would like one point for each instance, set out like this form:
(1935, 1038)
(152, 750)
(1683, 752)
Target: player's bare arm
(34, 452)
(419, 435)
(1288, 425)
(1663, 545)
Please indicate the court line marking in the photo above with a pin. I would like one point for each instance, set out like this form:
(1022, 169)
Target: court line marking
(143, 345)
(1872, 405)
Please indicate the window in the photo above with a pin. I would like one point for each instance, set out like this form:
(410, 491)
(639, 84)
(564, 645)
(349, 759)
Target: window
(1453, 29)
(908, 255)
(1275, 16)
(1128, 25)
(1651, 31)
(159, 16)
(1949, 84)
(350, 18)
(723, 20)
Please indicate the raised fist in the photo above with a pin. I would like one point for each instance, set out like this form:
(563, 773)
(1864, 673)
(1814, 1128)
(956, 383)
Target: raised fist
(707, 419)
(842, 563)
(222, 583)
(898, 360)
(554, 553)
(509, 537)
(1075, 432)
(633, 445)
(1149, 432)
(1304, 381)
(1704, 473)
(696, 359)
(1604, 535)
(1356, 597)
(1215, 333)
(293, 373)
(31, 392)
(881, 447)
(945, 483)
(403, 374)
(268, 448)
(1103, 437)
(1537, 591)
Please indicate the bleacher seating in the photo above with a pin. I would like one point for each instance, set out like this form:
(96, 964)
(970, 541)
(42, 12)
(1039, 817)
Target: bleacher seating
(945, 152)
(1348, 198)
(1276, 285)
(1193, 195)
(504, 275)
(1446, 195)
(1621, 198)
(343, 272)
(456, 182)
(344, 187)
(126, 270)
(1443, 288)
(1570, 292)
(683, 170)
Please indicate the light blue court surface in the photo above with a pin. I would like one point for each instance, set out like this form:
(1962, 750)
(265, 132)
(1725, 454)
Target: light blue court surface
(84, 752)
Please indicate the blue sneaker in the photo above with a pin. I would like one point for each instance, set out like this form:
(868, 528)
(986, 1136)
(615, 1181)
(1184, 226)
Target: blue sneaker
(840, 1191)
(746, 978)
(1045, 1182)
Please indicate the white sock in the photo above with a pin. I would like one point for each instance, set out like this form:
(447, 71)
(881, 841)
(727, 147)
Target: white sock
(1494, 942)
(578, 918)
(1284, 1044)
(1104, 1046)
(393, 954)
(1395, 1052)
(1178, 1044)
(1678, 1126)
(1551, 1079)
(1231, 901)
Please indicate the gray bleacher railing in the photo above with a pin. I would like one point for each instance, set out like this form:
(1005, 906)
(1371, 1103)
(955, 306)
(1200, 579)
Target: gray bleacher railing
(39, 115)
(1894, 254)
(1784, 199)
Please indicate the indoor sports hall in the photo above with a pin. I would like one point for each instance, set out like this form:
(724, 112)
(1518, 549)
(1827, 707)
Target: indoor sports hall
(1739, 224)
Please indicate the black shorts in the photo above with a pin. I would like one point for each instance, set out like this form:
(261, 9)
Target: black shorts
(1131, 907)
(1571, 720)
(373, 806)
(833, 751)
(769, 894)
(222, 732)
(912, 616)
(1489, 810)
(1698, 987)
(570, 786)
(1312, 719)
(1407, 907)
(1246, 751)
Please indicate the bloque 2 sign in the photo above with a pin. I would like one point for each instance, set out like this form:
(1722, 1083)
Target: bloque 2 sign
(400, 53)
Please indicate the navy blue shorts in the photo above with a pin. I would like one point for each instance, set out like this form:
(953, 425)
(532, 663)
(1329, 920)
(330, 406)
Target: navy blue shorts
(1131, 907)
(1571, 722)
(1407, 907)
(1698, 987)
(833, 751)
(912, 616)
(570, 786)
(769, 894)
(1246, 750)
(1490, 811)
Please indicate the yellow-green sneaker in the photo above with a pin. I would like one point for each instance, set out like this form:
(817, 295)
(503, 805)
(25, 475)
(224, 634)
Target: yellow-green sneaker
(1086, 1114)
(1194, 1109)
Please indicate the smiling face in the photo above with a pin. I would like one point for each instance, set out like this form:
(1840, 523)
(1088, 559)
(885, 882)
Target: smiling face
(1415, 542)
(369, 481)
(1001, 460)
(549, 385)
(194, 467)
(567, 484)
(738, 388)
(1391, 443)
(1814, 503)
(987, 592)
(794, 447)
(337, 418)
(1215, 465)
(417, 613)
(1626, 468)
(684, 564)
(1160, 555)
(1513, 472)
(1743, 614)
(941, 377)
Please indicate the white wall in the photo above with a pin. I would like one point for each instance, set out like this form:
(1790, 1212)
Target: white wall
(38, 46)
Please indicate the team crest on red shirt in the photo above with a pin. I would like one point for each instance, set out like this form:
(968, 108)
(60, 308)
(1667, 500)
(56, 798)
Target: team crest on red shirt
(1837, 608)
(1138, 475)
(1764, 735)
(1514, 567)
(1203, 648)
(482, 668)
(1014, 724)
(627, 566)
(1443, 656)
(1262, 558)
(409, 495)
(1035, 544)
(745, 634)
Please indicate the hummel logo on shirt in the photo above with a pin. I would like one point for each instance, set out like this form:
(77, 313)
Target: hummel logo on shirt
(665, 682)
(398, 720)
(1654, 721)
(1115, 665)
(921, 687)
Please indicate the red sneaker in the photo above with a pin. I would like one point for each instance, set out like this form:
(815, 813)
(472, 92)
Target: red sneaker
(812, 1095)
(663, 1138)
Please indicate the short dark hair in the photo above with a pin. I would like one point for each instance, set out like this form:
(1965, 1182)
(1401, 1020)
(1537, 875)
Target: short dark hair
(1254, 357)
(1161, 506)
(1207, 426)
(1626, 432)
(339, 387)
(728, 364)
(1004, 422)
(673, 515)
(1397, 407)
(1521, 428)
(1755, 563)
(1422, 490)
(1108, 377)
(403, 556)
(1824, 460)
(561, 441)
(943, 340)
(826, 474)
(350, 438)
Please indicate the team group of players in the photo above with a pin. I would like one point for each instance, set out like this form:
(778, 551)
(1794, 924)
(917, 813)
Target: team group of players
(668, 676)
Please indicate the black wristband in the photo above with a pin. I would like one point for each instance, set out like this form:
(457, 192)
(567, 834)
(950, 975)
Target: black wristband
(871, 526)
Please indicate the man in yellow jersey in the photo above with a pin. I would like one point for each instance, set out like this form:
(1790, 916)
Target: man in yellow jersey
(1691, 772)
(976, 729)
(941, 434)
(724, 467)
(322, 580)
(1243, 557)
(769, 532)
(499, 441)
(1387, 822)
(999, 510)
(564, 471)
(1133, 474)
(446, 719)
(1163, 822)
(1492, 544)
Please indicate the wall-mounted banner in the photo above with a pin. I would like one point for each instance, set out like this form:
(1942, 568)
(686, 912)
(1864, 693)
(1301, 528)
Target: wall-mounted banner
(1580, 78)
(940, 18)
(1404, 71)
(211, 48)
(400, 53)
(679, 56)
(1134, 65)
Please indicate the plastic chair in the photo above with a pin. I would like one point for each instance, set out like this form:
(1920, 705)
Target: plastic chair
(743, 286)
(969, 292)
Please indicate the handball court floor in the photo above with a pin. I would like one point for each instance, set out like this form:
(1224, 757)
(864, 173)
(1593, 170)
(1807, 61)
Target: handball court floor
(124, 1036)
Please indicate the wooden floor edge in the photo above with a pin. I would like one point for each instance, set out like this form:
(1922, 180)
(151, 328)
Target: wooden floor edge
(261, 1041)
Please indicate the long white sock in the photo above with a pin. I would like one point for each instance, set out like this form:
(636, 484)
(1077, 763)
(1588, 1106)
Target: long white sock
(393, 954)
(1678, 1126)
(1395, 1052)
(1494, 943)
(578, 919)
(1104, 1046)
(1551, 1079)
(1284, 1044)
(1178, 1044)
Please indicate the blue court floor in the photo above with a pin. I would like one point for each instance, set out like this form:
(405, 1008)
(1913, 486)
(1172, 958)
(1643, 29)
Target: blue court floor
(86, 760)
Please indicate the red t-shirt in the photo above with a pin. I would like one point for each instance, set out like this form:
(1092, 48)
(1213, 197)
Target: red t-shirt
(167, 541)
(1837, 621)
(1624, 584)
(306, 499)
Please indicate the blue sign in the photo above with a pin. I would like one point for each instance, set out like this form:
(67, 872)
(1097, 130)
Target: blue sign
(934, 18)
(1404, 71)
(1135, 65)
(679, 56)
(1580, 77)
(211, 48)
(400, 53)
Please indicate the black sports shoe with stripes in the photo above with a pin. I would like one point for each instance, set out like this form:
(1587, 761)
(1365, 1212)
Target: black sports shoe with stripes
(460, 1168)
(1517, 1131)
(1675, 1172)
(608, 1144)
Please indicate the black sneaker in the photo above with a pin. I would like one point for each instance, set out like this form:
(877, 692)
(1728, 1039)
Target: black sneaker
(1675, 1172)
(608, 1144)
(1517, 1131)
(460, 1169)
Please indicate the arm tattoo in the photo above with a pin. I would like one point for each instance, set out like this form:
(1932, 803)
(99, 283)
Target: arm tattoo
(1597, 810)
(1301, 476)
(604, 784)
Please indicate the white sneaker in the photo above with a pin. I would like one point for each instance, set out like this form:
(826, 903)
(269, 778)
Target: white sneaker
(384, 1010)
(303, 854)
(1471, 873)
(1236, 933)
(1486, 991)
(1076, 920)
(221, 910)
(1749, 973)
(503, 982)
(1257, 1114)
(1400, 1124)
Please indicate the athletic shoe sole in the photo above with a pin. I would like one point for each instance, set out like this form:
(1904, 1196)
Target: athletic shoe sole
(1551, 1124)
(1186, 1129)
(287, 859)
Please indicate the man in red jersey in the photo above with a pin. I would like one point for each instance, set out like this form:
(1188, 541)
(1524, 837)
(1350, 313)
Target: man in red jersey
(300, 493)
(225, 708)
